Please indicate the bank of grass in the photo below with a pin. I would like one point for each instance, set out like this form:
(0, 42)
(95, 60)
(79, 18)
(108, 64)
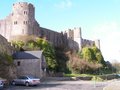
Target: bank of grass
(77, 75)
(93, 77)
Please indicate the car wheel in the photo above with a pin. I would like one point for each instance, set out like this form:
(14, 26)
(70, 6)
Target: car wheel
(13, 82)
(27, 84)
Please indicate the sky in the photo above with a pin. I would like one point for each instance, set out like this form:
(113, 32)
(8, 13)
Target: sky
(98, 19)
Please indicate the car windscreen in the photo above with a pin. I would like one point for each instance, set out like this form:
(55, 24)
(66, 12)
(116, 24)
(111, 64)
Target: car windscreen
(31, 77)
(22, 77)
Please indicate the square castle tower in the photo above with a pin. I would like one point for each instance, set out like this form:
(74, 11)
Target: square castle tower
(21, 22)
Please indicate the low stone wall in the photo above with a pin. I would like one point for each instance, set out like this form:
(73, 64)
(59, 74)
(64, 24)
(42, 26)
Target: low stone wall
(67, 78)
(109, 77)
(87, 78)
(84, 78)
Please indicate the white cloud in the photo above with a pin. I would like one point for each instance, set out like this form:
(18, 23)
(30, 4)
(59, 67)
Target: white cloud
(109, 34)
(64, 4)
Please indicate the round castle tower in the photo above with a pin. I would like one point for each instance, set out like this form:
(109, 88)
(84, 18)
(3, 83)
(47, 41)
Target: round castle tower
(23, 19)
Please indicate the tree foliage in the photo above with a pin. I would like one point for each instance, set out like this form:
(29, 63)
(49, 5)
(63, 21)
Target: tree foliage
(62, 59)
(39, 44)
(18, 44)
(78, 65)
(93, 54)
(88, 54)
(5, 58)
(89, 60)
(49, 53)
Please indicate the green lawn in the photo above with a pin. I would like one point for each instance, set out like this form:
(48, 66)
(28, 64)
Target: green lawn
(93, 77)
(77, 75)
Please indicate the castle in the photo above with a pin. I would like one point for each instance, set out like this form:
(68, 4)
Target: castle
(22, 22)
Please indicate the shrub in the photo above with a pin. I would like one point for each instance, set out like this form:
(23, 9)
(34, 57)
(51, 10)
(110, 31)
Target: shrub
(97, 78)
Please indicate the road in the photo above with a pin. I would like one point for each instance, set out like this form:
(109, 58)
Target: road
(63, 85)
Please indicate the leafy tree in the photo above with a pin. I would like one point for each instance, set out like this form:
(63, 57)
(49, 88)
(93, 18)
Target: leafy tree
(40, 44)
(93, 54)
(62, 59)
(95, 49)
(98, 56)
(77, 65)
(18, 44)
(32, 45)
(5, 58)
(88, 54)
(89, 60)
(49, 53)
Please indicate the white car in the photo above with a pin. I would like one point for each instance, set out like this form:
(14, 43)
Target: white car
(26, 80)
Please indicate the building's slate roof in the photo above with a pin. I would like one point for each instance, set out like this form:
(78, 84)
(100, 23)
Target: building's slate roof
(28, 55)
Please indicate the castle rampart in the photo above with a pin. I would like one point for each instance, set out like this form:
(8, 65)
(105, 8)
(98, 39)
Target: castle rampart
(23, 19)
(21, 22)
(5, 27)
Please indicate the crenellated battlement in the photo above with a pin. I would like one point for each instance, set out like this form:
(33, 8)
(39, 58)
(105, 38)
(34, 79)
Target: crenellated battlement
(76, 41)
(23, 8)
(22, 4)
(21, 22)
(23, 18)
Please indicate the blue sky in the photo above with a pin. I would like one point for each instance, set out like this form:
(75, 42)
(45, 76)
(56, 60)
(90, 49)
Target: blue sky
(99, 19)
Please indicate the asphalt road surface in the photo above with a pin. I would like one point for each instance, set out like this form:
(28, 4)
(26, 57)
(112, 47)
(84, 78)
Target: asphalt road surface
(62, 85)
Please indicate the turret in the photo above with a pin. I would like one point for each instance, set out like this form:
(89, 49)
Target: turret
(97, 43)
(23, 18)
(77, 38)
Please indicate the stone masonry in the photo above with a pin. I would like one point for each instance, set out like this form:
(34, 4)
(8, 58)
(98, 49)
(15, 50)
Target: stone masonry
(22, 22)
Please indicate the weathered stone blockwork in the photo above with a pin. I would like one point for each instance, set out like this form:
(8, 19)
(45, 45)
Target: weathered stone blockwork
(22, 22)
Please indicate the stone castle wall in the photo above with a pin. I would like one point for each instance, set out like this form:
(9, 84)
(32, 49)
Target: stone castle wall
(22, 22)
(52, 36)
(23, 19)
(6, 27)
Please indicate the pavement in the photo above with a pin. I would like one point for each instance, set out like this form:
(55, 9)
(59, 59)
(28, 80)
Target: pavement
(107, 85)
(72, 82)
(56, 80)
(113, 85)
(60, 84)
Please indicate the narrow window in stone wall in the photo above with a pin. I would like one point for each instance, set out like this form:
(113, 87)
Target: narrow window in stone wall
(15, 22)
(25, 22)
(18, 63)
(25, 12)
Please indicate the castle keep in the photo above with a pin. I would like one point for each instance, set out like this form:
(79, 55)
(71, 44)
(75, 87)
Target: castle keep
(22, 22)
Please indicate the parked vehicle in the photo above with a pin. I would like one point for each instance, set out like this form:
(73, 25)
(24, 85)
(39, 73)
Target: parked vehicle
(26, 80)
(1, 84)
(118, 75)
